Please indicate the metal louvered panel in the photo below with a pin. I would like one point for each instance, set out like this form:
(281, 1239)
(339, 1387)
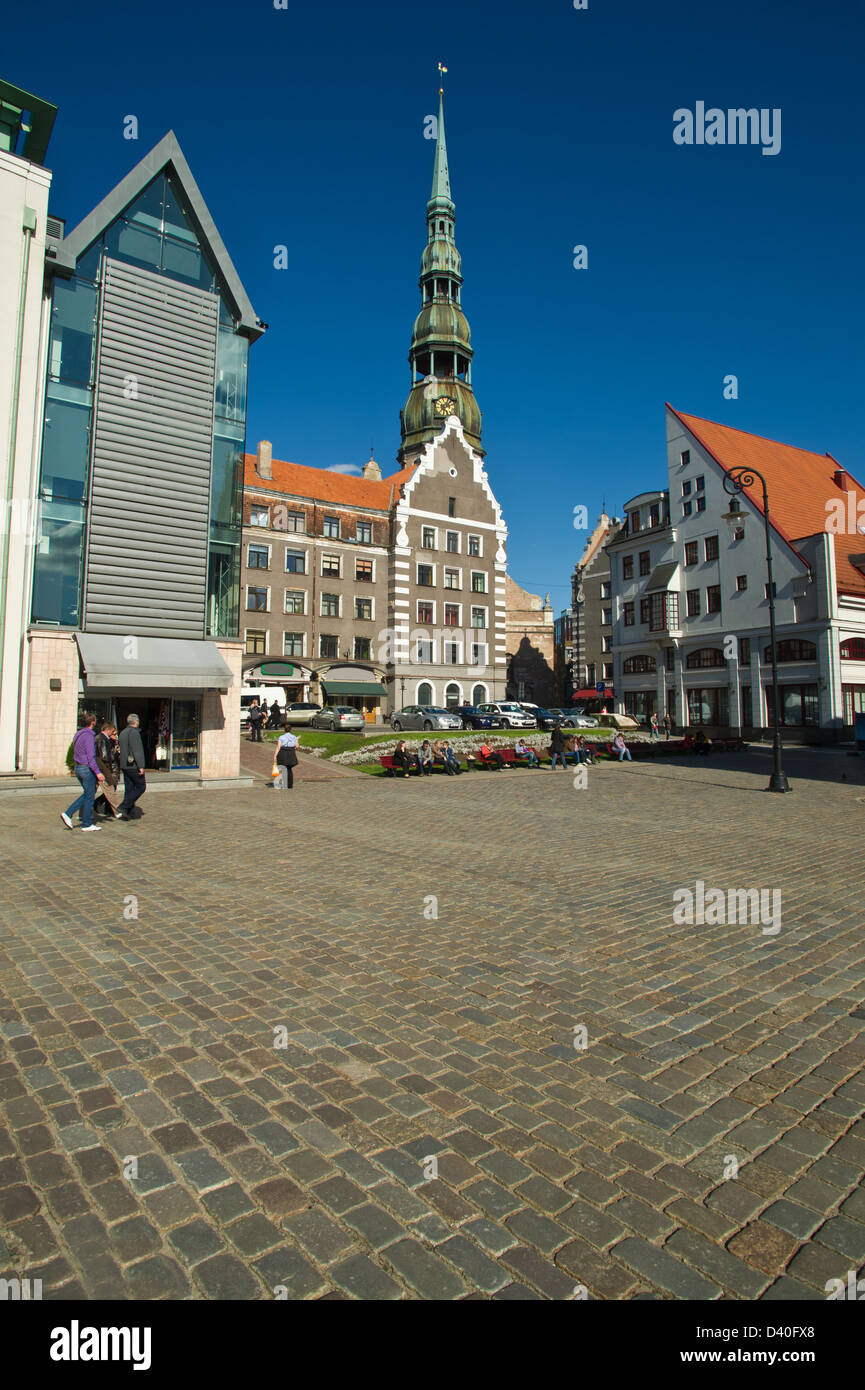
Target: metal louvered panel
(150, 494)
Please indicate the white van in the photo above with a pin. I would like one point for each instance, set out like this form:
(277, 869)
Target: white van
(264, 694)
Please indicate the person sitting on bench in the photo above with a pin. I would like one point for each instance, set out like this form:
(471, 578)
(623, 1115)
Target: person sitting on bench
(620, 747)
(702, 746)
(425, 758)
(451, 761)
(403, 758)
(489, 757)
(522, 750)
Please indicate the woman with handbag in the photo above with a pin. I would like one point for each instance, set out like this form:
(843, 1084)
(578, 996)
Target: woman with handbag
(286, 759)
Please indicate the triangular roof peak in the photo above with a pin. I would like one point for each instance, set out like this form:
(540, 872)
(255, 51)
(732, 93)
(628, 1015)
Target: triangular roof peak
(166, 154)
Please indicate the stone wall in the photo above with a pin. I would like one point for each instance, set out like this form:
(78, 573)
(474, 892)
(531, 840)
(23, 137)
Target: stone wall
(219, 743)
(51, 715)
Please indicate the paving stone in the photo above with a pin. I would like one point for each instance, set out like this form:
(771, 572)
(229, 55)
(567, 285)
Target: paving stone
(202, 1170)
(496, 1201)
(424, 1272)
(537, 1231)
(790, 1217)
(133, 1239)
(764, 1246)
(319, 1236)
(847, 1237)
(254, 1234)
(360, 1277)
(376, 1227)
(719, 1265)
(226, 1277)
(659, 1268)
(596, 1272)
(195, 1242)
(288, 1275)
(538, 1272)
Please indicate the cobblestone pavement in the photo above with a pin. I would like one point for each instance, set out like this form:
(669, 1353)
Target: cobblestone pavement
(429, 1129)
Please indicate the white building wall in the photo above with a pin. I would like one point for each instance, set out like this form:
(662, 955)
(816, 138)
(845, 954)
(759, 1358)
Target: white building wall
(24, 189)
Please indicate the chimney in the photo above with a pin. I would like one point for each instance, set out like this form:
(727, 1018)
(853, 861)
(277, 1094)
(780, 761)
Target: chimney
(372, 470)
(264, 459)
(840, 479)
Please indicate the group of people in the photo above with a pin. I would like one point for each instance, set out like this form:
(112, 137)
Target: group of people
(262, 717)
(426, 757)
(655, 726)
(99, 757)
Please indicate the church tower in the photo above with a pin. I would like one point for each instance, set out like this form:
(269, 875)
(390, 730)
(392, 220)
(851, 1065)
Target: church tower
(440, 355)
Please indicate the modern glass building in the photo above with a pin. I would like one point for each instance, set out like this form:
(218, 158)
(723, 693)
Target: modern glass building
(138, 542)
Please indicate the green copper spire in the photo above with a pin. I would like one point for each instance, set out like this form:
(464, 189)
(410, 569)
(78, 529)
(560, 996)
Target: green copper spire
(440, 354)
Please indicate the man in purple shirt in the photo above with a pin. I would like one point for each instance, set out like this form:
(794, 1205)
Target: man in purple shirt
(88, 774)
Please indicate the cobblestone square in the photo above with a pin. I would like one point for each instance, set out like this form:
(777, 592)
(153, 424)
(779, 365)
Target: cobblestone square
(437, 1038)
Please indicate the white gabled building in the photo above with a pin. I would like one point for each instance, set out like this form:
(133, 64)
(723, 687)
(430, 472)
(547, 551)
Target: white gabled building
(691, 611)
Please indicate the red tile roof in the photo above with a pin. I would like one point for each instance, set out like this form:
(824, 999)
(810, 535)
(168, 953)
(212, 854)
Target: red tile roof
(297, 480)
(799, 482)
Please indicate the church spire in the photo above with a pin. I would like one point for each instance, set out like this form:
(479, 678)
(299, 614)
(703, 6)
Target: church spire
(440, 354)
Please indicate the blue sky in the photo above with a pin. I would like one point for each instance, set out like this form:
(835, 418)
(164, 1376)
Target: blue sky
(304, 127)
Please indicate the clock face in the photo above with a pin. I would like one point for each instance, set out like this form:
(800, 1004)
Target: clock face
(445, 405)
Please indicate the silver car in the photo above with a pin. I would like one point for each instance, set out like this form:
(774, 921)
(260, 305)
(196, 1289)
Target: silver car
(425, 717)
(512, 715)
(301, 712)
(338, 719)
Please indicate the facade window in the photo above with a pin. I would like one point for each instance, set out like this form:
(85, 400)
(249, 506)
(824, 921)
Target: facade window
(292, 644)
(687, 508)
(256, 599)
(258, 557)
(295, 562)
(854, 702)
(645, 562)
(453, 542)
(655, 514)
(330, 527)
(452, 615)
(424, 693)
(424, 650)
(711, 544)
(692, 599)
(425, 576)
(741, 582)
(658, 611)
(606, 589)
(452, 654)
(739, 533)
(479, 582)
(328, 644)
(424, 612)
(479, 617)
(792, 649)
(799, 704)
(708, 706)
(331, 564)
(853, 649)
(452, 696)
(628, 614)
(295, 601)
(259, 516)
(590, 673)
(364, 533)
(606, 616)
(640, 704)
(329, 607)
(747, 708)
(256, 642)
(363, 609)
(705, 659)
(479, 654)
(295, 521)
(363, 571)
(608, 670)
(670, 658)
(452, 506)
(452, 579)
(713, 598)
(685, 457)
(627, 566)
(644, 610)
(639, 665)
(428, 538)
(745, 651)
(607, 643)
(474, 545)
(633, 522)
(686, 487)
(700, 483)
(691, 553)
(362, 648)
(701, 504)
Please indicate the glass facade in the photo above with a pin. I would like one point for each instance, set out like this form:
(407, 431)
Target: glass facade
(155, 233)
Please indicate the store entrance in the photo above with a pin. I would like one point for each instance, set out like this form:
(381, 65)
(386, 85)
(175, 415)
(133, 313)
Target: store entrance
(154, 714)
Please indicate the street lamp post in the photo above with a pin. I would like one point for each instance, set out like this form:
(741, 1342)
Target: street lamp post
(735, 482)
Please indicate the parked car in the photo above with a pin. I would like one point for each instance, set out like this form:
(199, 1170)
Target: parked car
(473, 718)
(578, 720)
(544, 718)
(338, 719)
(425, 717)
(563, 717)
(301, 712)
(512, 715)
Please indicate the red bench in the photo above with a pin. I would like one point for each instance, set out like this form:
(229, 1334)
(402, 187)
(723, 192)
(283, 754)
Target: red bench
(387, 762)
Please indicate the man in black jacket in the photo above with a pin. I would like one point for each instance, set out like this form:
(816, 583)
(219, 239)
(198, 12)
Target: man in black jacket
(557, 747)
(132, 767)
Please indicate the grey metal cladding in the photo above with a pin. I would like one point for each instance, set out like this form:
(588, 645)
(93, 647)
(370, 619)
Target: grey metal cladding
(150, 490)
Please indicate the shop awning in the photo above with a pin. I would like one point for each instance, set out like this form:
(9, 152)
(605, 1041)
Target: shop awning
(337, 688)
(151, 663)
(660, 577)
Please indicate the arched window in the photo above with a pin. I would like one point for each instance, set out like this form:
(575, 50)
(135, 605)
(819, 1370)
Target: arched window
(639, 665)
(479, 695)
(425, 693)
(453, 696)
(705, 657)
(792, 649)
(853, 649)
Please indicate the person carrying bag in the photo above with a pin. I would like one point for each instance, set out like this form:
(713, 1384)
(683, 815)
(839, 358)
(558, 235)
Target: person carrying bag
(286, 760)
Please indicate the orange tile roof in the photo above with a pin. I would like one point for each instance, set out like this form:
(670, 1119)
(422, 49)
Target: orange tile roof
(799, 483)
(321, 484)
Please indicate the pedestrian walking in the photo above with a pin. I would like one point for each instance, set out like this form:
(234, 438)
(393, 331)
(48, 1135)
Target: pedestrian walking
(108, 762)
(88, 774)
(667, 726)
(132, 766)
(286, 759)
(653, 726)
(557, 747)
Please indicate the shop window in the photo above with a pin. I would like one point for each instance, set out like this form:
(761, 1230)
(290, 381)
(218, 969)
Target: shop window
(799, 705)
(708, 706)
(792, 649)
